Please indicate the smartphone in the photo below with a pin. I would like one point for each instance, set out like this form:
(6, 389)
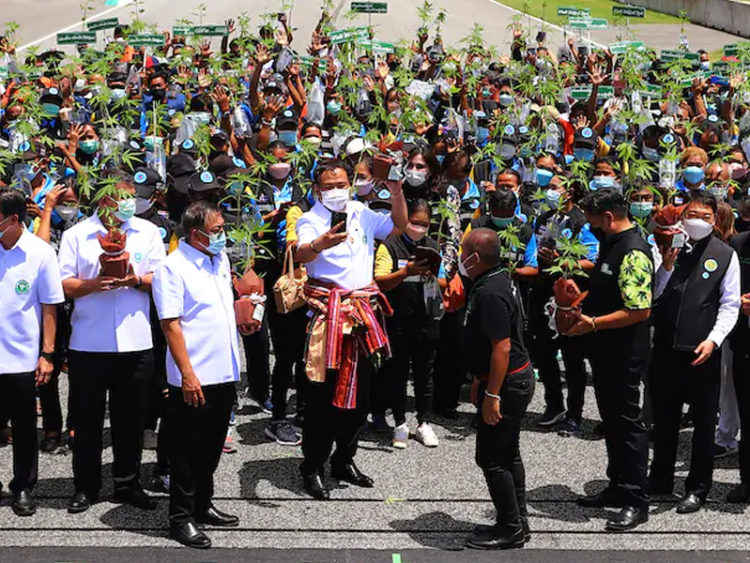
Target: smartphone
(338, 217)
(431, 255)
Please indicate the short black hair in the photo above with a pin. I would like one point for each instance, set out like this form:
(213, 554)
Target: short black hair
(12, 202)
(702, 197)
(310, 125)
(512, 172)
(418, 204)
(601, 201)
(503, 199)
(329, 166)
(196, 214)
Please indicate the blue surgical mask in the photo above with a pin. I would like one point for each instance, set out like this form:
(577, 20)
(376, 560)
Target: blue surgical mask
(482, 134)
(50, 110)
(216, 242)
(486, 92)
(505, 100)
(693, 174)
(602, 182)
(543, 177)
(89, 147)
(333, 107)
(552, 197)
(569, 158)
(125, 209)
(641, 209)
(501, 222)
(650, 154)
(289, 138)
(586, 155)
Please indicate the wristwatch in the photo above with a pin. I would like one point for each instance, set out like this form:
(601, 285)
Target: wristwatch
(139, 283)
(49, 356)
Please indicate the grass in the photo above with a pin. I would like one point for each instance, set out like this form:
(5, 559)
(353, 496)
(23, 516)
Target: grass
(547, 10)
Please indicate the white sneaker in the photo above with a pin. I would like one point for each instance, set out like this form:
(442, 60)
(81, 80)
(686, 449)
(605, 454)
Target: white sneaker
(427, 436)
(401, 436)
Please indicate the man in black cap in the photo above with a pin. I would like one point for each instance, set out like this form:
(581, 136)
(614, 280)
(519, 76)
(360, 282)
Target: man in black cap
(51, 100)
(287, 126)
(180, 168)
(203, 186)
(585, 143)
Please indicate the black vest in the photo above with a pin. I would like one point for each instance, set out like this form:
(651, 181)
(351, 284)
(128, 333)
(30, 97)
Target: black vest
(687, 309)
(741, 244)
(407, 298)
(509, 255)
(467, 209)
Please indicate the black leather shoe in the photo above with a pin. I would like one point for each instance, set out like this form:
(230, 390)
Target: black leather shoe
(50, 444)
(627, 519)
(189, 535)
(23, 503)
(690, 503)
(351, 474)
(485, 529)
(740, 494)
(315, 488)
(135, 496)
(79, 503)
(215, 517)
(604, 499)
(495, 538)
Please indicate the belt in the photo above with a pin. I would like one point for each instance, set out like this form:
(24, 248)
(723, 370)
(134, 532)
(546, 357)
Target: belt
(524, 367)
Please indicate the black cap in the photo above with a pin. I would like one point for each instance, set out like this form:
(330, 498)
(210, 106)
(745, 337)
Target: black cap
(180, 168)
(188, 147)
(275, 83)
(217, 133)
(286, 120)
(51, 95)
(585, 138)
(224, 166)
(145, 181)
(510, 135)
(382, 198)
(203, 181)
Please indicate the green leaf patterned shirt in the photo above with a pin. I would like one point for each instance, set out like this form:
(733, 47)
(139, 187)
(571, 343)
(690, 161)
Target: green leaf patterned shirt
(636, 280)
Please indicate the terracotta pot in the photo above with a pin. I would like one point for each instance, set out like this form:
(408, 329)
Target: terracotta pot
(114, 266)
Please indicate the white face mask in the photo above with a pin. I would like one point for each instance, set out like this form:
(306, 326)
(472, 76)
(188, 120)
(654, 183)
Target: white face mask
(66, 212)
(142, 205)
(697, 229)
(415, 178)
(463, 269)
(336, 199)
(364, 187)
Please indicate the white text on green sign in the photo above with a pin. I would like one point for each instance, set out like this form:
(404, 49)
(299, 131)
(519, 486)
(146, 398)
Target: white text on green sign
(370, 7)
(108, 23)
(76, 38)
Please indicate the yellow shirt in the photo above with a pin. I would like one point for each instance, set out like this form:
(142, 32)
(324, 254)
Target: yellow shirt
(383, 262)
(292, 216)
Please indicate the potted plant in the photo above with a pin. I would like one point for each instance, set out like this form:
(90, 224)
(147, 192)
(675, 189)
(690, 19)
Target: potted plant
(565, 305)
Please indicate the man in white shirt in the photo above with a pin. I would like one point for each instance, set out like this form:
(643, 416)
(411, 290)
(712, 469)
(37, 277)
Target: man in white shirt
(336, 242)
(697, 304)
(195, 302)
(110, 345)
(30, 289)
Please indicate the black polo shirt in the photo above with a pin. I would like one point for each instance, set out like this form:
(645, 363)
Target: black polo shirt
(493, 313)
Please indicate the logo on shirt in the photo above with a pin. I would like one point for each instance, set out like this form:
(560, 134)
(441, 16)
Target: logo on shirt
(710, 265)
(139, 256)
(606, 269)
(22, 287)
(162, 232)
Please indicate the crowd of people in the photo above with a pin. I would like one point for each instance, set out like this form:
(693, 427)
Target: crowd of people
(355, 215)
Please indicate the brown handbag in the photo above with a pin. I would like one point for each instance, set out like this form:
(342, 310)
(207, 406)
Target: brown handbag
(288, 291)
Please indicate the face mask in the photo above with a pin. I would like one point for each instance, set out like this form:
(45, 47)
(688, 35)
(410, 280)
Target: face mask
(26, 172)
(289, 138)
(641, 209)
(501, 222)
(586, 155)
(314, 140)
(50, 110)
(486, 92)
(2, 233)
(705, 65)
(693, 174)
(125, 209)
(118, 94)
(279, 170)
(737, 170)
(216, 242)
(415, 178)
(505, 100)
(463, 268)
(569, 158)
(89, 147)
(482, 134)
(543, 177)
(363, 187)
(415, 232)
(202, 117)
(333, 107)
(507, 152)
(650, 154)
(697, 229)
(66, 212)
(158, 94)
(719, 192)
(552, 197)
(336, 199)
(142, 205)
(602, 182)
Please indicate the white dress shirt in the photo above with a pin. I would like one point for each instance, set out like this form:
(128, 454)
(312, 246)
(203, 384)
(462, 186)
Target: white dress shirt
(729, 299)
(197, 289)
(115, 320)
(349, 264)
(29, 278)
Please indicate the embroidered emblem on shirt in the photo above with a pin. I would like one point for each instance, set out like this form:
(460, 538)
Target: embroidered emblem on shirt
(138, 256)
(606, 269)
(22, 287)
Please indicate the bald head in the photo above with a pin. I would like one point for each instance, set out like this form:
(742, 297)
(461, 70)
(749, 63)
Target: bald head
(485, 245)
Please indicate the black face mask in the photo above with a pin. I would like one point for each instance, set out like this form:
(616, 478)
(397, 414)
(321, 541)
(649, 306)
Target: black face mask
(158, 93)
(599, 233)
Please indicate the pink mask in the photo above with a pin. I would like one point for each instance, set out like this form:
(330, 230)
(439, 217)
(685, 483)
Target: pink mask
(737, 170)
(280, 170)
(415, 232)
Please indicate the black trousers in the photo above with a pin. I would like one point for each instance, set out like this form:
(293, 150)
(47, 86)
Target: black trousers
(257, 352)
(497, 449)
(127, 379)
(741, 372)
(618, 370)
(49, 398)
(675, 382)
(18, 402)
(288, 334)
(325, 424)
(450, 370)
(415, 355)
(197, 436)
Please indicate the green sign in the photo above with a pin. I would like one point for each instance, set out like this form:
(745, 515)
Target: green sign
(653, 91)
(146, 40)
(623, 46)
(377, 46)
(584, 92)
(733, 49)
(629, 11)
(307, 62)
(76, 38)
(669, 55)
(588, 23)
(573, 12)
(370, 7)
(181, 30)
(109, 23)
(210, 30)
(349, 34)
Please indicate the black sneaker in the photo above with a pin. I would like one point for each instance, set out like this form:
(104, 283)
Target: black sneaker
(50, 443)
(282, 433)
(723, 451)
(569, 428)
(550, 418)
